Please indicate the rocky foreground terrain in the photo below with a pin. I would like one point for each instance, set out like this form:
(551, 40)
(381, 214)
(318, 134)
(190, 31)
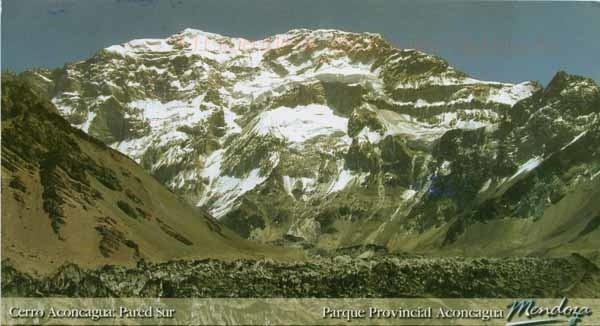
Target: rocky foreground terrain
(334, 277)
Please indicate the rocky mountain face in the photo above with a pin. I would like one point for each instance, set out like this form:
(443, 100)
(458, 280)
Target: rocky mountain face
(67, 197)
(331, 139)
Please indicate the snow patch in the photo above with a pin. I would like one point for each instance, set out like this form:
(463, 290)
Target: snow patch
(212, 165)
(46, 79)
(345, 178)
(527, 167)
(366, 135)
(408, 194)
(574, 140)
(301, 123)
(228, 189)
(223, 191)
(513, 94)
(88, 120)
(408, 126)
(307, 185)
(485, 186)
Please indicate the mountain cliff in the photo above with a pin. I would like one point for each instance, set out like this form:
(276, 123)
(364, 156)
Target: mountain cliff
(332, 139)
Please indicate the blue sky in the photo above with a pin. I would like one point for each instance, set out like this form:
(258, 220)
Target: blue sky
(504, 41)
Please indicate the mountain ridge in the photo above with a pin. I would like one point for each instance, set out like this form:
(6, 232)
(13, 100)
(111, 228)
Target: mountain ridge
(334, 139)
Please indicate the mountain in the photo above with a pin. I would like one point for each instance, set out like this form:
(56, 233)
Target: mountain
(68, 198)
(331, 140)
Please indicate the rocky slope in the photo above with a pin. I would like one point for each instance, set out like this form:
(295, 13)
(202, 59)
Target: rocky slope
(339, 277)
(67, 197)
(333, 139)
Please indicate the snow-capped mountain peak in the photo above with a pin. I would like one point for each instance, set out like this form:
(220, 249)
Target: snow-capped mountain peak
(306, 116)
